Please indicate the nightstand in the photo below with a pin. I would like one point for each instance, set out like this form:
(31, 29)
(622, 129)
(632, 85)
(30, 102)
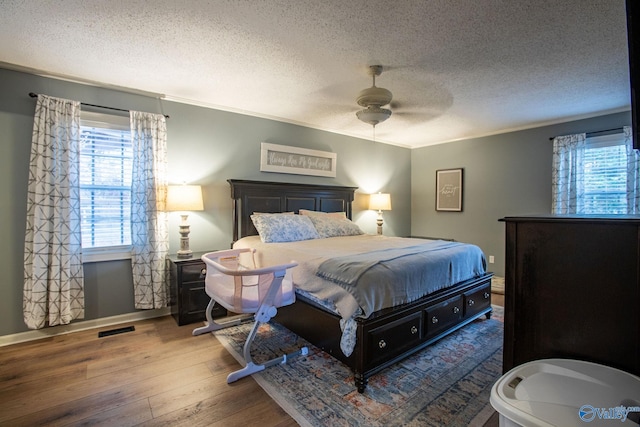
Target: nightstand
(186, 283)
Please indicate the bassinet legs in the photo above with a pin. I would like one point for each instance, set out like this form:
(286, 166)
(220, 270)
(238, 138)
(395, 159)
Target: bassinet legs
(212, 325)
(250, 366)
(263, 315)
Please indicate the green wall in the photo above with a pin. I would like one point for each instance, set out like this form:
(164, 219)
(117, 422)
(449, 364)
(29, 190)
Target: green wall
(205, 147)
(504, 175)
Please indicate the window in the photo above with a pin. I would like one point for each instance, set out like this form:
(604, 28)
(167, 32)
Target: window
(106, 157)
(605, 175)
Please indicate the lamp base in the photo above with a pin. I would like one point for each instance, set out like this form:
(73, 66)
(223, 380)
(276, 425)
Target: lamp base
(185, 254)
(184, 251)
(379, 222)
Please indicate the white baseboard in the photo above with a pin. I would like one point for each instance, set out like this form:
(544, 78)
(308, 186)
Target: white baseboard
(82, 326)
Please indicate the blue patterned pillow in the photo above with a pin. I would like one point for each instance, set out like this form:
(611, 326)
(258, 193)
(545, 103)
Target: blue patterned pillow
(274, 228)
(333, 227)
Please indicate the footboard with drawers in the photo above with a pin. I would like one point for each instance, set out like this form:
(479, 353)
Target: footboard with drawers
(391, 335)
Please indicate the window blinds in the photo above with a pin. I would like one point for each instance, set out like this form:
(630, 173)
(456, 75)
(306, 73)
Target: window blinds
(605, 175)
(105, 185)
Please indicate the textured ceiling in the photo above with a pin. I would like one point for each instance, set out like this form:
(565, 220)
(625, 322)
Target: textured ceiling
(456, 68)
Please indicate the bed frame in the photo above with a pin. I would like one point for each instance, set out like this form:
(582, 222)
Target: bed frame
(386, 336)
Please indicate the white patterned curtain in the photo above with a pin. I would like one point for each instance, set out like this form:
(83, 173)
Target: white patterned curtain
(53, 292)
(149, 236)
(633, 174)
(567, 174)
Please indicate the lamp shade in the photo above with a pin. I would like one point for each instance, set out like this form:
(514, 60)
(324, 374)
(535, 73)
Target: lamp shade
(184, 198)
(380, 202)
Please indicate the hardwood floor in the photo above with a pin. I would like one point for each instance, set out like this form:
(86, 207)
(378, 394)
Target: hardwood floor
(494, 421)
(157, 375)
(497, 299)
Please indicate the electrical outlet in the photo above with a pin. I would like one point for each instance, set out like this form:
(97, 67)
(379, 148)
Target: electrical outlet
(491, 259)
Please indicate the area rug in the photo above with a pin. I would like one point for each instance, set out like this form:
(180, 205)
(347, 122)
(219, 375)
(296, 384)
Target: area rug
(448, 383)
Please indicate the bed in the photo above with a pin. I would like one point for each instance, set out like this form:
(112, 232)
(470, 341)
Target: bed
(368, 336)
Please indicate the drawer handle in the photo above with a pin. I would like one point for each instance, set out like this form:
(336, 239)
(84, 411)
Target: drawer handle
(382, 344)
(434, 320)
(456, 309)
(487, 295)
(414, 330)
(203, 272)
(471, 302)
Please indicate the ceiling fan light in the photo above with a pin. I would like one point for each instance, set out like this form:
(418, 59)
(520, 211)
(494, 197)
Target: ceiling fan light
(374, 96)
(373, 115)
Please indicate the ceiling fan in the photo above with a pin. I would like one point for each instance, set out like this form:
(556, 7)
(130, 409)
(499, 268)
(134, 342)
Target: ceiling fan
(373, 99)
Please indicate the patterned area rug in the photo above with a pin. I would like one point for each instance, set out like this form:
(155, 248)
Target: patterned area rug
(448, 383)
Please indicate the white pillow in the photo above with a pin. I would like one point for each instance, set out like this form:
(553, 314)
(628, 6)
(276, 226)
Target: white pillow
(333, 227)
(339, 215)
(274, 228)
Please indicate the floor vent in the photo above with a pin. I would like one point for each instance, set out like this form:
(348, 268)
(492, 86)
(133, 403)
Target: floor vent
(116, 331)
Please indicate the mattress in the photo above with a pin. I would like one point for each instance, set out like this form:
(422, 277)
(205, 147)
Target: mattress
(454, 263)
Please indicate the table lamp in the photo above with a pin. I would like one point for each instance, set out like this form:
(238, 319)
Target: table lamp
(380, 202)
(184, 198)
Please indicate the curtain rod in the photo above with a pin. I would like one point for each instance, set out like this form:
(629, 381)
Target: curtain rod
(35, 95)
(589, 134)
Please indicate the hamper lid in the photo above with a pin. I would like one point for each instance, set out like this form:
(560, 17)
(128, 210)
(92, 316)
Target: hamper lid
(565, 392)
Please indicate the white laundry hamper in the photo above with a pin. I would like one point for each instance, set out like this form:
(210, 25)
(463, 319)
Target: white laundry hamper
(565, 392)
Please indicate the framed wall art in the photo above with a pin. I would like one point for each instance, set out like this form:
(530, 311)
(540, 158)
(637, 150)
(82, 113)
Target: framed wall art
(299, 161)
(449, 190)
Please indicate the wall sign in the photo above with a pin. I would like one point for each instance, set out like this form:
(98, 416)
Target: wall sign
(449, 190)
(294, 160)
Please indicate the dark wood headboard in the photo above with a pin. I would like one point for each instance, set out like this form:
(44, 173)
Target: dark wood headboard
(272, 197)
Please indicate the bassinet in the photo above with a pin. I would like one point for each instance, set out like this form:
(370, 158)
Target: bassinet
(234, 282)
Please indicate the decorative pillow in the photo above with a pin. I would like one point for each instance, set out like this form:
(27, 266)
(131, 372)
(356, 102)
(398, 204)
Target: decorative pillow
(274, 228)
(339, 215)
(333, 227)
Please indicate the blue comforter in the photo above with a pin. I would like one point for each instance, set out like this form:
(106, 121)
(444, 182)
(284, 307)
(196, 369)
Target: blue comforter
(400, 275)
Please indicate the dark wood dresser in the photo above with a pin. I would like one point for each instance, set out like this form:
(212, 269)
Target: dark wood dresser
(572, 290)
(186, 283)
